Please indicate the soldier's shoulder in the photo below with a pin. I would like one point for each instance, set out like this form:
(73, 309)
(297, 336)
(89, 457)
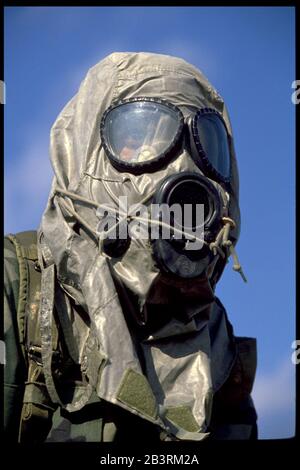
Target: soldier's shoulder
(24, 237)
(14, 243)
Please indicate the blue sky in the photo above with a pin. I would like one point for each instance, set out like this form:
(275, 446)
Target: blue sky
(248, 55)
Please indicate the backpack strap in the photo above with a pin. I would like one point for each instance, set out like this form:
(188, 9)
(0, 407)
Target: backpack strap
(37, 411)
(29, 249)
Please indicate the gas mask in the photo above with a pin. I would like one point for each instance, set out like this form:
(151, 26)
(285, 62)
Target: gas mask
(185, 251)
(169, 159)
(141, 135)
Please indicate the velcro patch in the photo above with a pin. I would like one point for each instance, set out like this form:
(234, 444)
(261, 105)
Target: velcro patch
(183, 417)
(135, 392)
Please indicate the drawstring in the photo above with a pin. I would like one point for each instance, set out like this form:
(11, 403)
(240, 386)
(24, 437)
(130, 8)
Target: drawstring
(226, 243)
(83, 222)
(236, 266)
(126, 216)
(221, 241)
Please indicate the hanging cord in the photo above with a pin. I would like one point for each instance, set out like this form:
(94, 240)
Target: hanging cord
(221, 241)
(83, 222)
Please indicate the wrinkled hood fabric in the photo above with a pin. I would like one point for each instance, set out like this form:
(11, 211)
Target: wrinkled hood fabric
(171, 366)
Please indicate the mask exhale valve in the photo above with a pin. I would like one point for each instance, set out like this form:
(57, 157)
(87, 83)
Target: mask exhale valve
(195, 208)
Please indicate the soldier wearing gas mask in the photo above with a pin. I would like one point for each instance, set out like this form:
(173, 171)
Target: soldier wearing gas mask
(122, 337)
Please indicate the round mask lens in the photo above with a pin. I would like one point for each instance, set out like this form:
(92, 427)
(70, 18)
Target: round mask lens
(137, 133)
(212, 142)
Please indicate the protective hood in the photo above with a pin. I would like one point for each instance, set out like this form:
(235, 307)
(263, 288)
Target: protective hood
(165, 374)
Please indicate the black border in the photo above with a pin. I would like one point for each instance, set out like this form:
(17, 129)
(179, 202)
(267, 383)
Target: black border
(235, 453)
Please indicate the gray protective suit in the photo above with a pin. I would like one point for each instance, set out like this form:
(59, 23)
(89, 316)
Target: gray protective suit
(160, 350)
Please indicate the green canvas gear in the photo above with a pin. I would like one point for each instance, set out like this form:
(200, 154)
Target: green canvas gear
(37, 410)
(37, 415)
